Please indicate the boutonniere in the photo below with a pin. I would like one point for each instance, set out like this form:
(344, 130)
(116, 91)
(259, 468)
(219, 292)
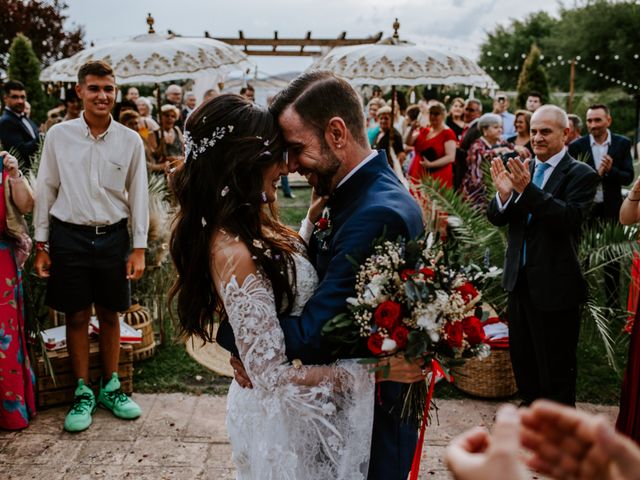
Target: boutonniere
(323, 228)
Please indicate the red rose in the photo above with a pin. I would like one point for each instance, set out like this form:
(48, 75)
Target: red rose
(453, 332)
(387, 315)
(427, 272)
(467, 291)
(406, 273)
(473, 330)
(375, 343)
(322, 224)
(400, 335)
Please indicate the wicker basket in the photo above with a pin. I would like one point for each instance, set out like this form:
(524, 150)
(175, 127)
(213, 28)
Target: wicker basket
(139, 318)
(488, 378)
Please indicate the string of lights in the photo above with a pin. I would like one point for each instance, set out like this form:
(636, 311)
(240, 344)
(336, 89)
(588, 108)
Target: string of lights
(560, 61)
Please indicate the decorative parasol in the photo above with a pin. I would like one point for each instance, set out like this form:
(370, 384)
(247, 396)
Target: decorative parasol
(154, 58)
(392, 61)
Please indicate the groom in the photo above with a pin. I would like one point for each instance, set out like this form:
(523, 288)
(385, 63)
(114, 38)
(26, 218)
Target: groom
(323, 124)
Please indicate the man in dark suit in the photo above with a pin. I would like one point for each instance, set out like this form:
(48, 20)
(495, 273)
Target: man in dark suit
(323, 124)
(470, 133)
(17, 131)
(544, 204)
(609, 155)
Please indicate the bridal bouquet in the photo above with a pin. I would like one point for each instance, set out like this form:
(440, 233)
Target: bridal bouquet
(409, 301)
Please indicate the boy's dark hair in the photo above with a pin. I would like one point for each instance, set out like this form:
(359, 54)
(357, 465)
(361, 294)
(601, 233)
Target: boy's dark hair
(97, 68)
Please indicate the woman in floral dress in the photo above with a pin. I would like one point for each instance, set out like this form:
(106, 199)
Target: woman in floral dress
(17, 399)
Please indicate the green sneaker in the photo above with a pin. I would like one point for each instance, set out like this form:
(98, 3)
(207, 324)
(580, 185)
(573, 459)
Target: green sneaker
(84, 404)
(113, 398)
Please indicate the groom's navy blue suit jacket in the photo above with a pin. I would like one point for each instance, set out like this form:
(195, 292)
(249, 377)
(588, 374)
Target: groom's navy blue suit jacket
(369, 204)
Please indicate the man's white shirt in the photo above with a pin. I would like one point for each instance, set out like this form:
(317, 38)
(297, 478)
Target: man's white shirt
(599, 150)
(92, 181)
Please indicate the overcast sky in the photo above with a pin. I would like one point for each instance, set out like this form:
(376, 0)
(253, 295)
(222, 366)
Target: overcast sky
(457, 25)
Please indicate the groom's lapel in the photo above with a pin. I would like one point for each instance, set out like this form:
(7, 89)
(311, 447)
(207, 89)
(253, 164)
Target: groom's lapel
(348, 196)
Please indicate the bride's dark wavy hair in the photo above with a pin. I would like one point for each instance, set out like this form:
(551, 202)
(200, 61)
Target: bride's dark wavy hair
(221, 187)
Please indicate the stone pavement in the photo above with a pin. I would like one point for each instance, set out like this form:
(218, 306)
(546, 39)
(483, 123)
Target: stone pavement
(183, 437)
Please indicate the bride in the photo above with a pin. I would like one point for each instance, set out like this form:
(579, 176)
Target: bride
(237, 262)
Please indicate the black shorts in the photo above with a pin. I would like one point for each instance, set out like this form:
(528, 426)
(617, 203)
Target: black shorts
(88, 267)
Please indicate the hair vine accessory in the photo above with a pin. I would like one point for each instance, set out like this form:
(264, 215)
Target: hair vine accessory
(224, 191)
(194, 149)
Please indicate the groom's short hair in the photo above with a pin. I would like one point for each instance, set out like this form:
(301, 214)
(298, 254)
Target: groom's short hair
(319, 96)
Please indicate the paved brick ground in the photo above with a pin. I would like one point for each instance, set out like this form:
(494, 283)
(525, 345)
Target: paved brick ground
(181, 437)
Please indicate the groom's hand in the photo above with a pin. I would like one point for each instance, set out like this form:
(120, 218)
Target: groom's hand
(239, 373)
(400, 370)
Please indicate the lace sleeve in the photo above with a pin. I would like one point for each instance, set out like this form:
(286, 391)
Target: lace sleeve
(251, 309)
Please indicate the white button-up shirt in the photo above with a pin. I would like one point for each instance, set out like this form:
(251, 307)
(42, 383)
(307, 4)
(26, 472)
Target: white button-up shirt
(599, 150)
(92, 181)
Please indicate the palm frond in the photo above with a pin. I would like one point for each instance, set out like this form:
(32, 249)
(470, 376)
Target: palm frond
(473, 239)
(601, 318)
(478, 240)
(605, 242)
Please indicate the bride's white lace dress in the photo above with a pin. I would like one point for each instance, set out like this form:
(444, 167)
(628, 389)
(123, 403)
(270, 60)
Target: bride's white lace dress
(306, 423)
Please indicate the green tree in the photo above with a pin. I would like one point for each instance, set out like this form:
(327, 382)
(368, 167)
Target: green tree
(533, 77)
(25, 67)
(505, 48)
(602, 36)
(44, 24)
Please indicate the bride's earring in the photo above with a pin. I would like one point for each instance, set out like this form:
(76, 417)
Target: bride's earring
(263, 197)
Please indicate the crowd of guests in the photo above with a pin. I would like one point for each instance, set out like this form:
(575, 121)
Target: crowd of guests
(450, 140)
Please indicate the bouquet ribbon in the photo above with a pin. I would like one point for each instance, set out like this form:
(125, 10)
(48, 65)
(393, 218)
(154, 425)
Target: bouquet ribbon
(436, 373)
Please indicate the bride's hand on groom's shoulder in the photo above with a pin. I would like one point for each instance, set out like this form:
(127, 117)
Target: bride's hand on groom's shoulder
(398, 369)
(317, 205)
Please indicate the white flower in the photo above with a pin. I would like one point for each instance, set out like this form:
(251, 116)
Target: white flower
(373, 291)
(426, 318)
(352, 301)
(388, 345)
(483, 351)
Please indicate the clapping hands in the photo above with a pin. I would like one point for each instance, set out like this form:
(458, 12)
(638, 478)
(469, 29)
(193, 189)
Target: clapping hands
(605, 165)
(478, 455)
(563, 443)
(513, 178)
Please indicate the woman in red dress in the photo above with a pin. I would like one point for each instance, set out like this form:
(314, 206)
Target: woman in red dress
(17, 399)
(629, 416)
(435, 149)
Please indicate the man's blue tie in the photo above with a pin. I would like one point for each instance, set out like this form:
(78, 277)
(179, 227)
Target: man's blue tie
(538, 178)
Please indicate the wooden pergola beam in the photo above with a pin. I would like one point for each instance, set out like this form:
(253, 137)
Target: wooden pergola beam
(282, 53)
(341, 41)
